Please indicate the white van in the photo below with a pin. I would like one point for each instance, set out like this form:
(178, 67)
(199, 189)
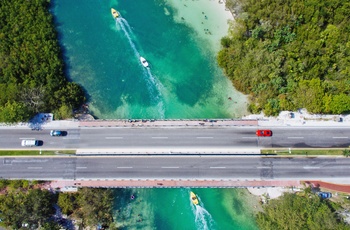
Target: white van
(30, 143)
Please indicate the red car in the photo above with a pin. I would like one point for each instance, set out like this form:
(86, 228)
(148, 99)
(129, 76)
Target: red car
(264, 133)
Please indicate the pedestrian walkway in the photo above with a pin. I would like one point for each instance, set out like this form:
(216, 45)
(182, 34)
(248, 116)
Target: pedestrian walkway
(69, 184)
(334, 187)
(300, 118)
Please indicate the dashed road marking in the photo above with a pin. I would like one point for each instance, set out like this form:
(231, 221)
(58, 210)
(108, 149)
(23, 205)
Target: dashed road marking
(114, 137)
(311, 167)
(35, 167)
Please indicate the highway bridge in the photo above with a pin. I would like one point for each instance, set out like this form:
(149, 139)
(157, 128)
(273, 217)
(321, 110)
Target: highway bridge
(198, 154)
(174, 139)
(195, 169)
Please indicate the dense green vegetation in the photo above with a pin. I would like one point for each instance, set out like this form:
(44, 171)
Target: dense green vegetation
(292, 211)
(24, 203)
(31, 68)
(290, 54)
(92, 206)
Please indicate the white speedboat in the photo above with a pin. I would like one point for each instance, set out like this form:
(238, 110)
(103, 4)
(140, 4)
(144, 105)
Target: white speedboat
(143, 62)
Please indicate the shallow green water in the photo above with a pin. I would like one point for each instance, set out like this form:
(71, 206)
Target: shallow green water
(102, 54)
(173, 209)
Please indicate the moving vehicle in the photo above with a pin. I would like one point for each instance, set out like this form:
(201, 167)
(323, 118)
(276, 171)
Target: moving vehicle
(264, 133)
(325, 195)
(30, 143)
(56, 133)
(194, 198)
(144, 62)
(115, 13)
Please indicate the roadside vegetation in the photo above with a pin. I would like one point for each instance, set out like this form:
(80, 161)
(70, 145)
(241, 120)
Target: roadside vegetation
(34, 152)
(290, 54)
(32, 76)
(300, 211)
(306, 152)
(28, 205)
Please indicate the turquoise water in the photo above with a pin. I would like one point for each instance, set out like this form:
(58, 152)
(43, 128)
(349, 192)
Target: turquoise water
(102, 54)
(183, 81)
(172, 209)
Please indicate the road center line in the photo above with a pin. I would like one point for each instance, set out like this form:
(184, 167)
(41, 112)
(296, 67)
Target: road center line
(217, 167)
(249, 137)
(159, 137)
(263, 167)
(81, 167)
(125, 167)
(340, 137)
(205, 137)
(170, 167)
(35, 167)
(114, 137)
(295, 137)
(310, 167)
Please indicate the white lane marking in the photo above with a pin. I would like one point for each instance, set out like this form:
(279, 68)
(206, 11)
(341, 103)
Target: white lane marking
(26, 138)
(114, 137)
(295, 137)
(170, 167)
(263, 167)
(124, 167)
(310, 167)
(159, 137)
(217, 167)
(81, 167)
(340, 137)
(205, 137)
(35, 167)
(249, 137)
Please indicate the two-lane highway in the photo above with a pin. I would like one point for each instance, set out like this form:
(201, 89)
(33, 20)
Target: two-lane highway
(201, 138)
(170, 167)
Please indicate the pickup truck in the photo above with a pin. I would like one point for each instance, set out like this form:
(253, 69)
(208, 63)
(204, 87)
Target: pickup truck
(30, 143)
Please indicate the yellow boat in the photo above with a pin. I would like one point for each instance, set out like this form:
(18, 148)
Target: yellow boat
(115, 13)
(194, 198)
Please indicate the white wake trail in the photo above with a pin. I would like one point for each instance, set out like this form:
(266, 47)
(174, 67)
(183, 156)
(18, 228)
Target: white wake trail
(152, 83)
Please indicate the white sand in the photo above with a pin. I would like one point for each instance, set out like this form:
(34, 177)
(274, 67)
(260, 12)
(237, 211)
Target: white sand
(208, 18)
(270, 192)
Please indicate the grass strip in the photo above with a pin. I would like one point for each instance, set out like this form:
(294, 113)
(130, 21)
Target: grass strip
(304, 152)
(35, 152)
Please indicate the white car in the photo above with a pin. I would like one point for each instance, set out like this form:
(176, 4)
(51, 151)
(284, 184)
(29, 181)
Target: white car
(30, 143)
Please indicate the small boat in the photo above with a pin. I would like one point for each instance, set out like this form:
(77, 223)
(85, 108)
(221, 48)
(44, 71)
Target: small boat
(143, 62)
(194, 198)
(115, 13)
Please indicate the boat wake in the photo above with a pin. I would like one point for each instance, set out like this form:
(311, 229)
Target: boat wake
(203, 218)
(152, 83)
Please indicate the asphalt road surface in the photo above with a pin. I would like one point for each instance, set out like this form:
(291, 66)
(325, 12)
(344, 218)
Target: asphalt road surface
(201, 138)
(170, 167)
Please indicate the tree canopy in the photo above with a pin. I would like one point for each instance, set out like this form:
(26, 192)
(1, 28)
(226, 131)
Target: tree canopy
(30, 208)
(32, 76)
(93, 206)
(292, 211)
(290, 54)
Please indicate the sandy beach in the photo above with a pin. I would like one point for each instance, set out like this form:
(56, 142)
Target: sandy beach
(208, 18)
